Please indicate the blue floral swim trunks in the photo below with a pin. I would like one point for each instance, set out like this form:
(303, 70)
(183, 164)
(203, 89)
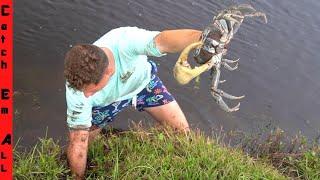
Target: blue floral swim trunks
(154, 94)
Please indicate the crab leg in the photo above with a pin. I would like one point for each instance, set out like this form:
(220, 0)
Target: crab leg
(232, 31)
(228, 67)
(215, 79)
(226, 95)
(217, 94)
(223, 105)
(230, 61)
(230, 18)
(235, 15)
(258, 14)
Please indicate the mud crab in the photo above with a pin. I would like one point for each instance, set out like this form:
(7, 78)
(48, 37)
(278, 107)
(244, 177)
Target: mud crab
(211, 49)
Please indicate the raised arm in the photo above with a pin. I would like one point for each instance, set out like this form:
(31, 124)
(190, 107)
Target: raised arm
(77, 152)
(172, 41)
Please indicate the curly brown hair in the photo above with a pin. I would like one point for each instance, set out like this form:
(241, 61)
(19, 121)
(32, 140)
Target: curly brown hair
(84, 64)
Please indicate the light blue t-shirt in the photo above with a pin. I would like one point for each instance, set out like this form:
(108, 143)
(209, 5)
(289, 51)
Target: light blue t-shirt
(130, 47)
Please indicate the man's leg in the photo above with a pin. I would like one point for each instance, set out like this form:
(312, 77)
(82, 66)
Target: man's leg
(169, 114)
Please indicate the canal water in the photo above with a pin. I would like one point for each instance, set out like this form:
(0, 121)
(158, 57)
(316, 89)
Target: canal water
(278, 72)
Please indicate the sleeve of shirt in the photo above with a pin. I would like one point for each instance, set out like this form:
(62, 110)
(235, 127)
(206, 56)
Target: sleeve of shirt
(79, 110)
(141, 42)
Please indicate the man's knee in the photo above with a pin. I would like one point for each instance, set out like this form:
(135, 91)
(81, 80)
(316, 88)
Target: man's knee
(170, 114)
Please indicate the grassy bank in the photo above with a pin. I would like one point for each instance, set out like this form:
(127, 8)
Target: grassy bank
(159, 154)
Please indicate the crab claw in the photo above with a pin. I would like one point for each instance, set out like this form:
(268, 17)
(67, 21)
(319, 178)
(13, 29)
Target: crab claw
(227, 66)
(182, 70)
(223, 105)
(230, 61)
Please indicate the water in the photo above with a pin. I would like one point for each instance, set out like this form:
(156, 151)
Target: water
(278, 72)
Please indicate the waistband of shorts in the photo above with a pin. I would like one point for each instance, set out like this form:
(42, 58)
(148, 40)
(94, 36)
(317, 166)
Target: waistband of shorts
(154, 69)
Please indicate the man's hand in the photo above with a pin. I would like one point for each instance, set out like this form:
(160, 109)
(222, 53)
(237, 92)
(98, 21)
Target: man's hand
(77, 152)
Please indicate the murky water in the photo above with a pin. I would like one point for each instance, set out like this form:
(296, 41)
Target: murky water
(279, 62)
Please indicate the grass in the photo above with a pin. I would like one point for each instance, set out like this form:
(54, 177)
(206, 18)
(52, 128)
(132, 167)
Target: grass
(41, 162)
(162, 154)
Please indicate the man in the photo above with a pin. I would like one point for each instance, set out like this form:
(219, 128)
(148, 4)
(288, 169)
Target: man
(114, 73)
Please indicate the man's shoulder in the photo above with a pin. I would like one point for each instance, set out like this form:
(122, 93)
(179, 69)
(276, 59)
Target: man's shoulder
(124, 29)
(120, 32)
(73, 96)
(112, 37)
